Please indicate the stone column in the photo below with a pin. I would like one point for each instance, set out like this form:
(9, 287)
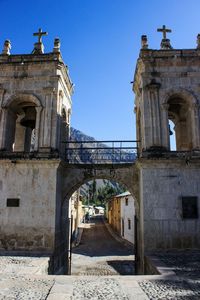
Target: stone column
(47, 117)
(165, 126)
(68, 123)
(145, 121)
(3, 117)
(195, 125)
(37, 127)
(154, 111)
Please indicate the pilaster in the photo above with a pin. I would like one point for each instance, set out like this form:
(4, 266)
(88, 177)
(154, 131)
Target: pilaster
(195, 125)
(154, 115)
(47, 118)
(165, 125)
(2, 119)
(37, 127)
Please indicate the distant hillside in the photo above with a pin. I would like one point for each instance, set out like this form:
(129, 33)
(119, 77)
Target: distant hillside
(77, 135)
(107, 154)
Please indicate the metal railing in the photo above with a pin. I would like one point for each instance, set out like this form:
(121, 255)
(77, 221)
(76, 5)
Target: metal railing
(91, 152)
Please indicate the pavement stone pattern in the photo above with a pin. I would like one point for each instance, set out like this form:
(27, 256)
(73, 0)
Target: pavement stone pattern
(24, 288)
(170, 290)
(107, 268)
(97, 289)
(23, 265)
(183, 262)
(186, 264)
(24, 278)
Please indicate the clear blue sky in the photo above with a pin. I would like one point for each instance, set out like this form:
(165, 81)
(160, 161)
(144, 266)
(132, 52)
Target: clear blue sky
(100, 43)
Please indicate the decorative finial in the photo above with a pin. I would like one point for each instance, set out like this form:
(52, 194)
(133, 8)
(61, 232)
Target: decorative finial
(144, 42)
(39, 47)
(6, 48)
(198, 41)
(56, 48)
(165, 43)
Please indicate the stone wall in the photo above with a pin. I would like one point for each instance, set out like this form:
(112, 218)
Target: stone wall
(163, 184)
(31, 226)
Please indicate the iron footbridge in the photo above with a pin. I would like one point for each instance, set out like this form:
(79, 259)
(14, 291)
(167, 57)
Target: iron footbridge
(97, 152)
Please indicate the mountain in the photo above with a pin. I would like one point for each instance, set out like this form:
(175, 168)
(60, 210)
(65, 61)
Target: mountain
(77, 135)
(92, 151)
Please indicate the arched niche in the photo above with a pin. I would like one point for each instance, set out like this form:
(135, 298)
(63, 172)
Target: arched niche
(180, 105)
(22, 122)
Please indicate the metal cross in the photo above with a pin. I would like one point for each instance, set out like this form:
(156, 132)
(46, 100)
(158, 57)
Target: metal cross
(164, 30)
(40, 33)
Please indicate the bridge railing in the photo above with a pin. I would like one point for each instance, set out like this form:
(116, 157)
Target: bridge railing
(91, 152)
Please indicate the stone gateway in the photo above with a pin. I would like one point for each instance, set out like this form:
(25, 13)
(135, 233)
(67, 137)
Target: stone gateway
(37, 181)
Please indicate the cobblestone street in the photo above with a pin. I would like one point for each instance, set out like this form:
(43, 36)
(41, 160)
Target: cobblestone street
(185, 264)
(23, 278)
(99, 253)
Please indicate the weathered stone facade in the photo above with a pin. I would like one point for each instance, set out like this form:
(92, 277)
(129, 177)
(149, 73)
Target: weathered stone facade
(35, 109)
(166, 85)
(36, 181)
(31, 225)
(36, 87)
(167, 88)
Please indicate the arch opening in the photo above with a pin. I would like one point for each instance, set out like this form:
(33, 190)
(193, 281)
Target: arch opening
(179, 118)
(20, 130)
(97, 207)
(172, 136)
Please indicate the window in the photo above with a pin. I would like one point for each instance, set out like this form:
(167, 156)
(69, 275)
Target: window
(126, 201)
(189, 208)
(129, 224)
(12, 202)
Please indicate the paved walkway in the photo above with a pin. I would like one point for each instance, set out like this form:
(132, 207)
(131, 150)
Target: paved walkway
(23, 278)
(99, 253)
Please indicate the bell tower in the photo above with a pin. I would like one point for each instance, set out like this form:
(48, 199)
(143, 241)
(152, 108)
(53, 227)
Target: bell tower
(35, 100)
(166, 89)
(167, 98)
(35, 109)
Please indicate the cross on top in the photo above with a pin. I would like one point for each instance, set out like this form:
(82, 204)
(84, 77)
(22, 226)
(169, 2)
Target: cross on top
(40, 33)
(164, 30)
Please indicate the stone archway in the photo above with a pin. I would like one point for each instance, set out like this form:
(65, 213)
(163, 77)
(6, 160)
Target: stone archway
(16, 133)
(181, 107)
(72, 177)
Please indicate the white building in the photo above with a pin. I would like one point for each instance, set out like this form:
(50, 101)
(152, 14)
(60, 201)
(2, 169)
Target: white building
(127, 216)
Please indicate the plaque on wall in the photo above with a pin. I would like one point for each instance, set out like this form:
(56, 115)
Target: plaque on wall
(189, 208)
(12, 202)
